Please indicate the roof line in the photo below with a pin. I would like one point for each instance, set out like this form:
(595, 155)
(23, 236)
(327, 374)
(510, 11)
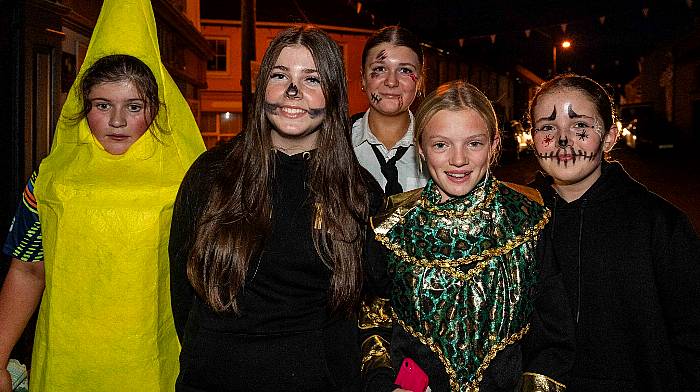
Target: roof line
(286, 24)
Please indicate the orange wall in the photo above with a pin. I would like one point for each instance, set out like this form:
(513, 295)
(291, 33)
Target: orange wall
(222, 84)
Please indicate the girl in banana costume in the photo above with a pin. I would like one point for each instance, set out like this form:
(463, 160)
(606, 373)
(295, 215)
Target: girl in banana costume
(90, 240)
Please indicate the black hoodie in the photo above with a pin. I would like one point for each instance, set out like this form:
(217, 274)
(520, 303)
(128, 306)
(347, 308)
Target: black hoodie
(631, 267)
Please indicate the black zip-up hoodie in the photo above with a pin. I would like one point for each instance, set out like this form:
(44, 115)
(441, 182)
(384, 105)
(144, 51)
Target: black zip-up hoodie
(631, 267)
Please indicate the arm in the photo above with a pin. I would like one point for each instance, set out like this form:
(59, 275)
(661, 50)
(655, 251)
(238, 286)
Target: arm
(549, 346)
(677, 263)
(19, 298)
(191, 198)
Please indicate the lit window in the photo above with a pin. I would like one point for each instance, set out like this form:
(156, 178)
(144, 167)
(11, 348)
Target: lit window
(218, 127)
(220, 48)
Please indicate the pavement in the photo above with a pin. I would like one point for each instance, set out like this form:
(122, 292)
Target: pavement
(672, 174)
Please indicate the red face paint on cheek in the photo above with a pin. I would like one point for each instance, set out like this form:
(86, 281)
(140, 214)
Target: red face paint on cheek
(548, 140)
(413, 77)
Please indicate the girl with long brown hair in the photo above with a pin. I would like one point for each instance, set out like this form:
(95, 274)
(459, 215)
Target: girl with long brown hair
(268, 233)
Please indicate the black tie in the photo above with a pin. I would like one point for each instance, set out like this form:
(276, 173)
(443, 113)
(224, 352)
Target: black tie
(389, 170)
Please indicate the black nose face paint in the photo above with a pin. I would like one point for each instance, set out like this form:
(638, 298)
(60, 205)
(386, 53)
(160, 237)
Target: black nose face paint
(563, 142)
(292, 91)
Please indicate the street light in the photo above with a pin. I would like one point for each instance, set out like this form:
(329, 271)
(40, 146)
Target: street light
(564, 45)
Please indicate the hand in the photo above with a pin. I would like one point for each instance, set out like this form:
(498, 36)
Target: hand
(5, 381)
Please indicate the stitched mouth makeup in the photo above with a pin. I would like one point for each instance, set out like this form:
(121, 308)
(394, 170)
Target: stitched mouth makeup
(566, 156)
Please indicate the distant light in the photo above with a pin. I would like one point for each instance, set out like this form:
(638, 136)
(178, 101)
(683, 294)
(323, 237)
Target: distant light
(227, 115)
(566, 44)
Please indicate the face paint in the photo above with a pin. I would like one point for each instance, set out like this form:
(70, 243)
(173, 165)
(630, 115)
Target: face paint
(313, 113)
(413, 77)
(270, 108)
(548, 139)
(583, 135)
(566, 155)
(292, 91)
(381, 56)
(391, 78)
(552, 116)
(375, 98)
(563, 142)
(570, 111)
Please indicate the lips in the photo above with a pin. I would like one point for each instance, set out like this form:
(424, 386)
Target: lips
(120, 137)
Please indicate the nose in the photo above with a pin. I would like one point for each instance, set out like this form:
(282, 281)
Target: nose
(292, 92)
(117, 119)
(458, 157)
(391, 79)
(563, 142)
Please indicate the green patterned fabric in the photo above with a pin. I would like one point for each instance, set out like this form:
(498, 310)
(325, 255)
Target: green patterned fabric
(463, 272)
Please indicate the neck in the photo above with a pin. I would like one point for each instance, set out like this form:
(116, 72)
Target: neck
(389, 129)
(292, 146)
(573, 191)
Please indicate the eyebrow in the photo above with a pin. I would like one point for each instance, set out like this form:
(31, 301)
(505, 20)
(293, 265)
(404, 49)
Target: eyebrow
(109, 100)
(305, 70)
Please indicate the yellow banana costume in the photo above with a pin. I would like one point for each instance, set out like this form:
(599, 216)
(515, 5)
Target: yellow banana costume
(105, 322)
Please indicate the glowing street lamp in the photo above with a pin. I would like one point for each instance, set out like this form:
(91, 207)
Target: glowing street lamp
(564, 45)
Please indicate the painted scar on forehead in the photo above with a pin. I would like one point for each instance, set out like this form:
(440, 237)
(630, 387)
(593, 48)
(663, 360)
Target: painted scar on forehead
(274, 109)
(292, 91)
(381, 56)
(375, 97)
(570, 111)
(566, 156)
(582, 135)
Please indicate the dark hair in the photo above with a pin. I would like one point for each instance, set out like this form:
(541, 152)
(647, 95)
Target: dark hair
(456, 96)
(118, 68)
(236, 220)
(395, 35)
(597, 94)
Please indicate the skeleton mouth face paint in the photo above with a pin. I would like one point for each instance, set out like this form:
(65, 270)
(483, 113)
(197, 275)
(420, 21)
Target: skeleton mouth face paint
(564, 121)
(391, 78)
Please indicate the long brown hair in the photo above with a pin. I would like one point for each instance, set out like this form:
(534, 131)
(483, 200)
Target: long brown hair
(236, 222)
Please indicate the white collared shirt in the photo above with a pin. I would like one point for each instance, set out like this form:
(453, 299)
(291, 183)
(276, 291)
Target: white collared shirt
(410, 176)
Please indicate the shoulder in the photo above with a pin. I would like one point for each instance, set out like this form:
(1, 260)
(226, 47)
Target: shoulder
(525, 191)
(393, 203)
(523, 205)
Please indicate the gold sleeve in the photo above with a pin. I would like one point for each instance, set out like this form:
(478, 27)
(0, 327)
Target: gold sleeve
(375, 349)
(533, 382)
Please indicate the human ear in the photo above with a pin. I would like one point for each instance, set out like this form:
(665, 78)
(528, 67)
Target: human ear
(610, 138)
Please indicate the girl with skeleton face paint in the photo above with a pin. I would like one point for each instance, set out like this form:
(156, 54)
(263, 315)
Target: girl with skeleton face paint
(569, 138)
(628, 258)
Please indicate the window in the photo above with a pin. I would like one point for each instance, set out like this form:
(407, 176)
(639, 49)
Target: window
(220, 47)
(218, 127)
